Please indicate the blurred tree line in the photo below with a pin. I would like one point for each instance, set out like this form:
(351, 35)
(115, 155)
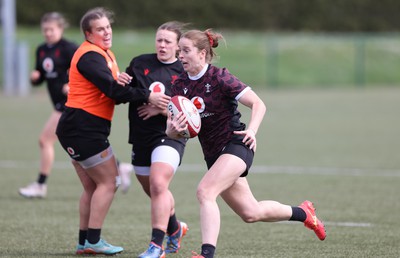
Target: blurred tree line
(270, 15)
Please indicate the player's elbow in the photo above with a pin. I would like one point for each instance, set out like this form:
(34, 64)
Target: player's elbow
(259, 106)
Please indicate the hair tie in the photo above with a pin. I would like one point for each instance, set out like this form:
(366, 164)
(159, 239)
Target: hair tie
(210, 39)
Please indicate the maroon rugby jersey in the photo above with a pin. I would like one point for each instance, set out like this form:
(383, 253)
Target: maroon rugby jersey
(215, 95)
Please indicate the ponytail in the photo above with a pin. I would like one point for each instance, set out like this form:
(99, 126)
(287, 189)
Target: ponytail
(207, 40)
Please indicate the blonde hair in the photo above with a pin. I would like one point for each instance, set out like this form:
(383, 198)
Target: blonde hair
(207, 40)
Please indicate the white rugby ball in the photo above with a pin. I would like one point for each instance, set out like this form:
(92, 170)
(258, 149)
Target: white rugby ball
(182, 104)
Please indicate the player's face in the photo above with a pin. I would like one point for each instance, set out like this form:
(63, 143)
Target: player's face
(101, 33)
(52, 32)
(193, 59)
(166, 46)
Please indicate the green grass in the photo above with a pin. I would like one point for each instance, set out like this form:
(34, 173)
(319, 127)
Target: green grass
(338, 148)
(268, 60)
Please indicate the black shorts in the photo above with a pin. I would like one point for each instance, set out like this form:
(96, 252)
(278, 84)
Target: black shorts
(82, 135)
(81, 148)
(236, 148)
(141, 155)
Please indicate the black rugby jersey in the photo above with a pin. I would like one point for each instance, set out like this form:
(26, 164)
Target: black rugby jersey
(149, 74)
(53, 63)
(215, 95)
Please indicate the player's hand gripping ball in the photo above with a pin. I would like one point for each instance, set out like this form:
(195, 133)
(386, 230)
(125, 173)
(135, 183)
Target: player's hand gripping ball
(184, 105)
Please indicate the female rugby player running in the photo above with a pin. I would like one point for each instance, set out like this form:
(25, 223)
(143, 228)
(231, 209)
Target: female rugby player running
(228, 146)
(155, 156)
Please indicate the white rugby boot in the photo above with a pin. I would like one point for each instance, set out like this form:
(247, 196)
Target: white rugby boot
(34, 190)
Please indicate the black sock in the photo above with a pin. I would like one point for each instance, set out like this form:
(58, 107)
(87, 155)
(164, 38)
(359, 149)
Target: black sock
(93, 235)
(157, 236)
(42, 178)
(82, 236)
(298, 214)
(173, 225)
(207, 250)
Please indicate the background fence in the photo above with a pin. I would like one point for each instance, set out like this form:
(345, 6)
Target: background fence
(269, 43)
(304, 60)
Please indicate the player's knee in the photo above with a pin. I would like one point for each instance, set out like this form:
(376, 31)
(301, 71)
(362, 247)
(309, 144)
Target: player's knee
(204, 194)
(88, 191)
(45, 142)
(248, 217)
(157, 189)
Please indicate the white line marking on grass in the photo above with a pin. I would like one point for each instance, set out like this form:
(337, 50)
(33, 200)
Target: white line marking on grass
(305, 170)
(31, 164)
(340, 224)
(14, 164)
(325, 171)
(349, 224)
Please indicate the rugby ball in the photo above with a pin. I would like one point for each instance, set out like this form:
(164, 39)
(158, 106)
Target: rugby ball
(182, 104)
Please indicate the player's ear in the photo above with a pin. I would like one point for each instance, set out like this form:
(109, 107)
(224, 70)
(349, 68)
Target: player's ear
(203, 53)
(87, 34)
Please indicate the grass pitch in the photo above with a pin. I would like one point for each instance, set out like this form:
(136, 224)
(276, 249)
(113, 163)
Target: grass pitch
(338, 148)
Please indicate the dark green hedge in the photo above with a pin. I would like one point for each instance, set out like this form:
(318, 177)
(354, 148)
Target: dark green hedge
(272, 15)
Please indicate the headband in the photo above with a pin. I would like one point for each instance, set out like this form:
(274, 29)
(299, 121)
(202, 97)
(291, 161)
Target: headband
(210, 39)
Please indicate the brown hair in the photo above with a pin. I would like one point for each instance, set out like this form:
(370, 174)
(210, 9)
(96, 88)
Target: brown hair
(95, 14)
(56, 17)
(174, 26)
(207, 40)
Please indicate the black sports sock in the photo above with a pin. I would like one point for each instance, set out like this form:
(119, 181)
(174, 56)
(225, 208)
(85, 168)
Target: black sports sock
(93, 235)
(298, 214)
(42, 178)
(82, 236)
(173, 225)
(207, 250)
(157, 236)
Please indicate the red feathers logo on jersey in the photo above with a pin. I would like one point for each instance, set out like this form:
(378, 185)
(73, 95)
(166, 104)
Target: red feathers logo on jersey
(199, 103)
(173, 78)
(157, 87)
(146, 71)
